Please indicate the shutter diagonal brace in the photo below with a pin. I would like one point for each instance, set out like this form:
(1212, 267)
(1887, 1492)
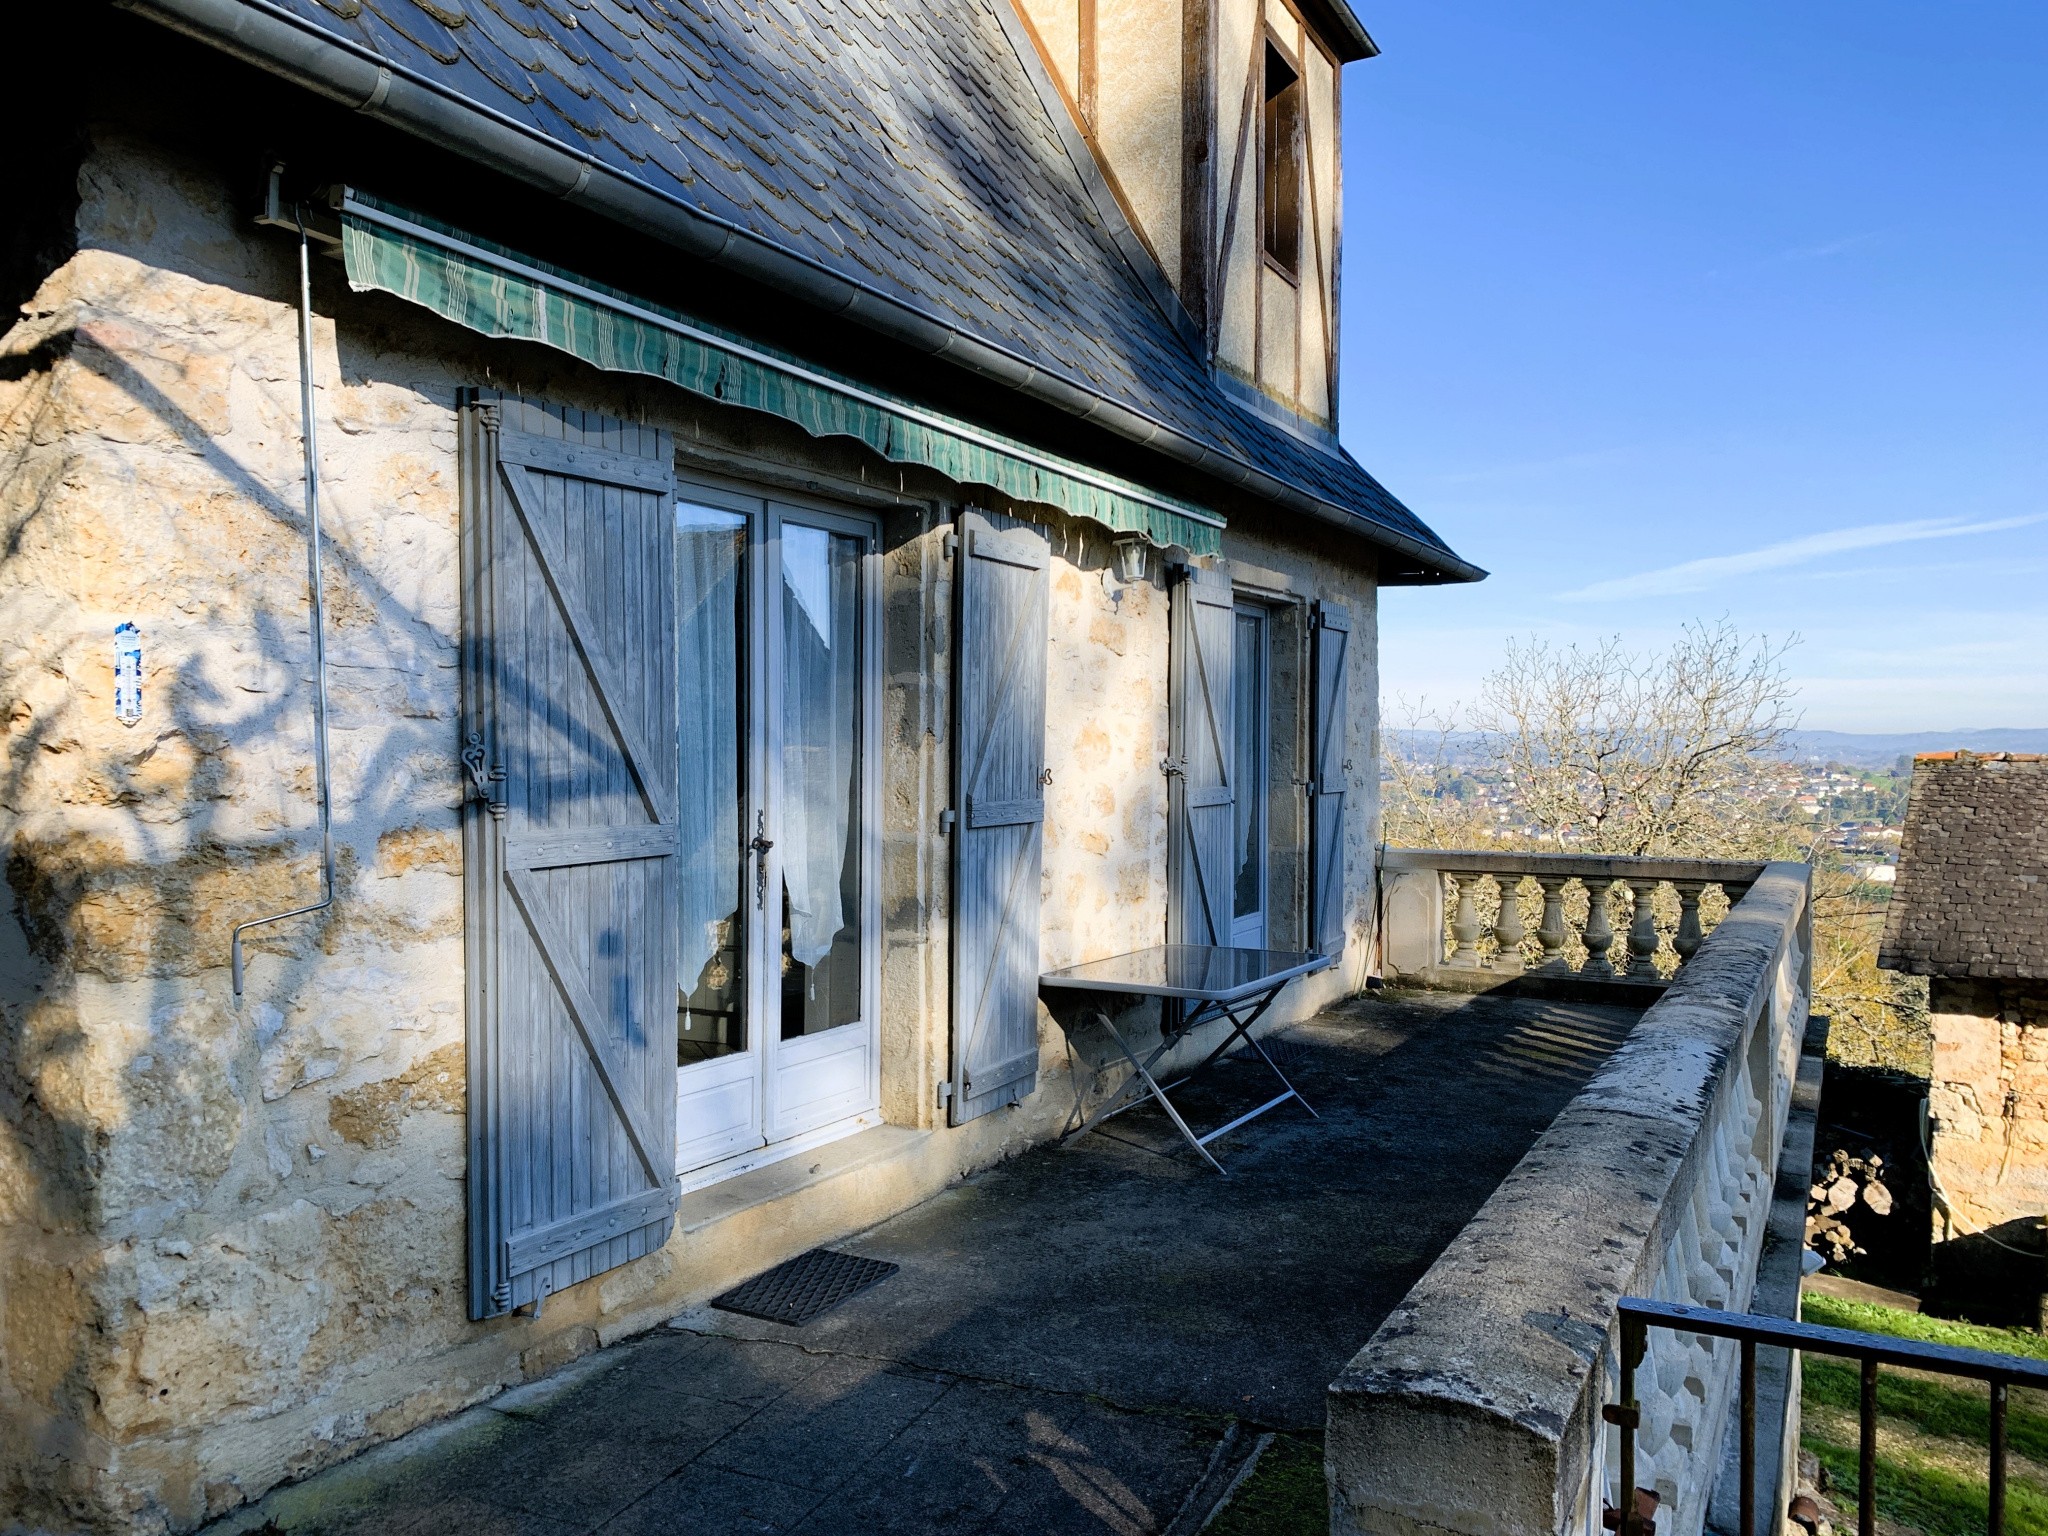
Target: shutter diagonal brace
(1001, 608)
(550, 559)
(1017, 869)
(997, 700)
(1330, 654)
(1218, 930)
(584, 1014)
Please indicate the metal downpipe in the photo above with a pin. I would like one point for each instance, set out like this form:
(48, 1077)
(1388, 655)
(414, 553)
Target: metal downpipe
(312, 453)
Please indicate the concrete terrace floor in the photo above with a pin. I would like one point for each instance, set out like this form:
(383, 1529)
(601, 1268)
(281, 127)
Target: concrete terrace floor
(1089, 1338)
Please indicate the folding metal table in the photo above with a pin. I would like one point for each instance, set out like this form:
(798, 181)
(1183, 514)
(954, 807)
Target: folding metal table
(1201, 983)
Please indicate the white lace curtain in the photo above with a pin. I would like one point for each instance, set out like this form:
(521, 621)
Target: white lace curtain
(820, 731)
(708, 548)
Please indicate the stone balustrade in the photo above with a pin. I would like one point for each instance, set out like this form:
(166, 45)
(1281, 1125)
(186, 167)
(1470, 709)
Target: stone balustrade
(1587, 903)
(1476, 1406)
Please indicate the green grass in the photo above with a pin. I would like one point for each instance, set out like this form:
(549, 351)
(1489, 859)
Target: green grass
(1933, 1434)
(1960, 1412)
(1834, 1312)
(1284, 1496)
(1929, 1497)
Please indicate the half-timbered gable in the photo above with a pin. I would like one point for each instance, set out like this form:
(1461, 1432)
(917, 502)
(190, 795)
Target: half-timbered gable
(1217, 128)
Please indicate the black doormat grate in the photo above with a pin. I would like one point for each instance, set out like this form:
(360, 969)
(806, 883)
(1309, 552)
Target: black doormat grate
(797, 1291)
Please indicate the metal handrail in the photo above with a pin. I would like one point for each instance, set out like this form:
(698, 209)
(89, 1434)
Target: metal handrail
(1639, 1316)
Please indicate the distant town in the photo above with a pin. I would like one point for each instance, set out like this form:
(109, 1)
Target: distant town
(1855, 809)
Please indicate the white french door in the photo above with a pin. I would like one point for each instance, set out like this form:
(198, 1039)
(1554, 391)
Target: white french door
(778, 630)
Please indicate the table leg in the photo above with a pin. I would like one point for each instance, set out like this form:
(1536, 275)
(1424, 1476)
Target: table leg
(1151, 1090)
(1271, 1065)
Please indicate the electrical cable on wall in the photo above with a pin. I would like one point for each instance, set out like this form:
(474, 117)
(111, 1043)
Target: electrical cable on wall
(312, 453)
(1951, 1221)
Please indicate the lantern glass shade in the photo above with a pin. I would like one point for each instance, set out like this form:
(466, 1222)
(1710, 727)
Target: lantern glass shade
(1130, 558)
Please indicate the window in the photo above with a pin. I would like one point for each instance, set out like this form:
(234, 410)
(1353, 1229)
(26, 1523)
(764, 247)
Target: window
(1251, 737)
(776, 1030)
(1280, 170)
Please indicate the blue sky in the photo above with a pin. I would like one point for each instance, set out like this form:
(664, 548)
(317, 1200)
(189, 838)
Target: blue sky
(1670, 311)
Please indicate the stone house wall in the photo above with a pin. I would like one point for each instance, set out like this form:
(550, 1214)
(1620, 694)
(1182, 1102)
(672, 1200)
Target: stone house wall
(231, 1237)
(1988, 1101)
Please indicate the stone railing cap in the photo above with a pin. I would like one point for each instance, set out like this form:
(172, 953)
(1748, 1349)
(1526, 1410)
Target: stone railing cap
(1512, 1319)
(1616, 866)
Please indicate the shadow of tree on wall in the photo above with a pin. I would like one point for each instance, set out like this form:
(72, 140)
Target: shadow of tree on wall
(129, 859)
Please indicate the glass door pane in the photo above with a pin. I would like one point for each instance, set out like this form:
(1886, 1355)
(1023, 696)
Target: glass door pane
(711, 550)
(1248, 778)
(820, 778)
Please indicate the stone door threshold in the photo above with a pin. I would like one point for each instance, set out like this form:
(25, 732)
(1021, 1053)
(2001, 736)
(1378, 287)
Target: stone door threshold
(799, 1174)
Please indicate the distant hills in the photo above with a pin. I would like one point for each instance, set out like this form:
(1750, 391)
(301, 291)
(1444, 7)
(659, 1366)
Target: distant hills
(1877, 750)
(1857, 749)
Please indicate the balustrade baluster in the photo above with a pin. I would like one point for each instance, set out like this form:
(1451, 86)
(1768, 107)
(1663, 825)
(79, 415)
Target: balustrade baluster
(1466, 927)
(1553, 933)
(1687, 940)
(1642, 932)
(1599, 935)
(1508, 931)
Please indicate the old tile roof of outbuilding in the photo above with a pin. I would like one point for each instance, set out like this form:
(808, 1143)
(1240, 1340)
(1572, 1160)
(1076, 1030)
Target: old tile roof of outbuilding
(905, 146)
(1972, 892)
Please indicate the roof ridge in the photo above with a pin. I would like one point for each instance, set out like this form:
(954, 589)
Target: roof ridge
(1965, 755)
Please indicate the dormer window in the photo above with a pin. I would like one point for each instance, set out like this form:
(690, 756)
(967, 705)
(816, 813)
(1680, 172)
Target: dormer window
(1280, 155)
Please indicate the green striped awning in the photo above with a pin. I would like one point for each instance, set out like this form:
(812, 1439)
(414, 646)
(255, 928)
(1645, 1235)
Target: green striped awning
(499, 292)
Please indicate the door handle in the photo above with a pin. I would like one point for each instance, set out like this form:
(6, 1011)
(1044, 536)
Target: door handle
(759, 847)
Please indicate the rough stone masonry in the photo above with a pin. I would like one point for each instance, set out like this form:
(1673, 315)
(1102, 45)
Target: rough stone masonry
(231, 1239)
(1970, 912)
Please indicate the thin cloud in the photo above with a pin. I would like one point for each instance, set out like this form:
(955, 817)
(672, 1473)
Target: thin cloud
(1826, 248)
(1820, 251)
(1700, 575)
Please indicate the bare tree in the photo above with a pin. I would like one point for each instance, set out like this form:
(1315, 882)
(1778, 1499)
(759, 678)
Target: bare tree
(1674, 752)
(1419, 806)
(1681, 752)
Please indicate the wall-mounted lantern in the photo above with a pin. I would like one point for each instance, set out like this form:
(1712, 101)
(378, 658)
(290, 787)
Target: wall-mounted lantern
(1130, 558)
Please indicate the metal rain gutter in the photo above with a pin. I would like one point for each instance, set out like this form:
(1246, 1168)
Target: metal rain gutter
(265, 34)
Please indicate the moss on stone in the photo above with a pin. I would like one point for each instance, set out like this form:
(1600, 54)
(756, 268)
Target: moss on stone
(1284, 1496)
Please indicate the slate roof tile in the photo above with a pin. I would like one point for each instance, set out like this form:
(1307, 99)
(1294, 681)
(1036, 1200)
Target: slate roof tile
(904, 146)
(1971, 898)
(406, 19)
(516, 14)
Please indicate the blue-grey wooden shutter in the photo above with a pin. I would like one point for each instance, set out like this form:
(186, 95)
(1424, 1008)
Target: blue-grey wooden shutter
(1329, 720)
(1002, 581)
(570, 845)
(1201, 815)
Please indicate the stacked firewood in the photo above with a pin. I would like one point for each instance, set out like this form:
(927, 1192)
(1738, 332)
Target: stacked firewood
(1845, 1183)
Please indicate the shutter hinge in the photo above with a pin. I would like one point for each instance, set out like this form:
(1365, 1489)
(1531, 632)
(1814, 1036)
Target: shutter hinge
(945, 1094)
(949, 544)
(947, 820)
(480, 778)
